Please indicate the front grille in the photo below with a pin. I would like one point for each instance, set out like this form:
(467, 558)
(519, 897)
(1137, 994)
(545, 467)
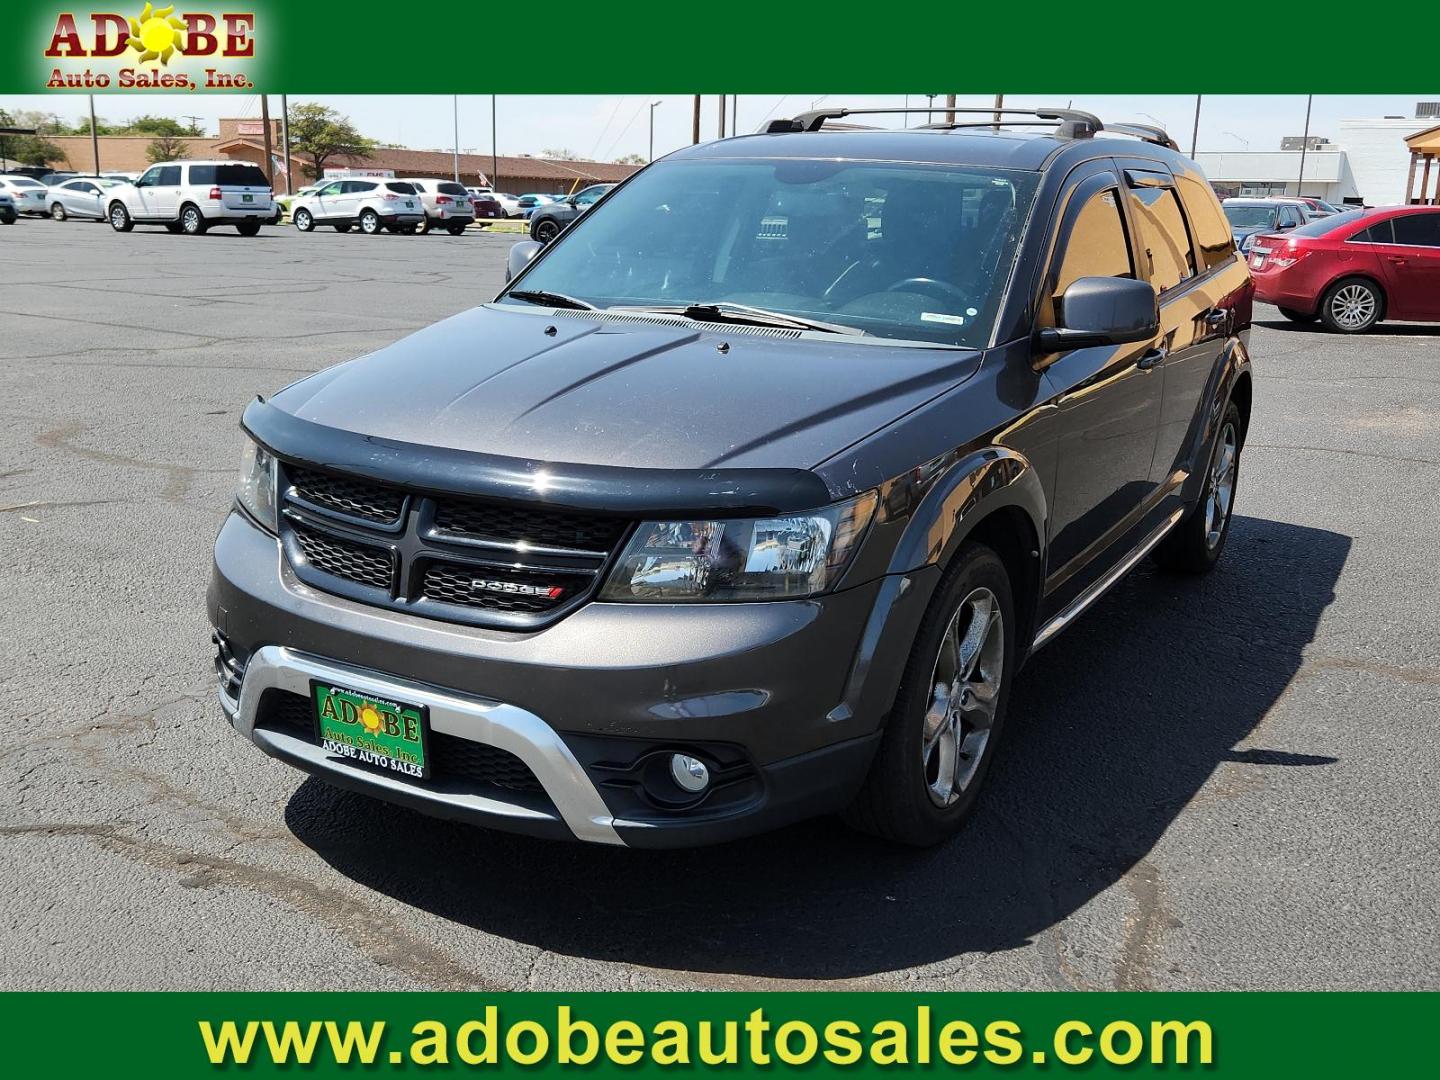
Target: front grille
(331, 554)
(348, 495)
(451, 757)
(497, 589)
(540, 528)
(463, 559)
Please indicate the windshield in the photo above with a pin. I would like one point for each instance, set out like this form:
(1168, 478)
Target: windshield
(914, 252)
(1250, 217)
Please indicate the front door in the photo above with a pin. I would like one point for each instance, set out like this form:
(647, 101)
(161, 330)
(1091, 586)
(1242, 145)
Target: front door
(1412, 266)
(330, 203)
(1107, 399)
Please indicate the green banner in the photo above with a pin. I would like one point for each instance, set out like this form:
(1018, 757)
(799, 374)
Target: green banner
(1225, 1035)
(366, 46)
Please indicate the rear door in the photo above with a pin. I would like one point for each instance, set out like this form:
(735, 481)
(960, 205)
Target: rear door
(1107, 399)
(1412, 266)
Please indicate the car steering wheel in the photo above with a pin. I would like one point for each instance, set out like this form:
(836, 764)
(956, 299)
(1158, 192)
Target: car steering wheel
(927, 284)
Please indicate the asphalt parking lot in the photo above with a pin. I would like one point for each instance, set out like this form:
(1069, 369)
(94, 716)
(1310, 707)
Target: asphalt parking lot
(1226, 783)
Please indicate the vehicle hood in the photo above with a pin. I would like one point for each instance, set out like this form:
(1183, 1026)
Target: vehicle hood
(567, 387)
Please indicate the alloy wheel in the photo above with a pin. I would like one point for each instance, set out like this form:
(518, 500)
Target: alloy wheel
(1220, 491)
(965, 690)
(191, 221)
(1353, 306)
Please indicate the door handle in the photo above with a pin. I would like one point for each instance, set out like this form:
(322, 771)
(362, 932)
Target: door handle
(1217, 317)
(1398, 260)
(1152, 358)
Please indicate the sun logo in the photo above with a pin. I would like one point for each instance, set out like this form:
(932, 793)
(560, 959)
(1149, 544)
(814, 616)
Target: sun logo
(156, 34)
(370, 718)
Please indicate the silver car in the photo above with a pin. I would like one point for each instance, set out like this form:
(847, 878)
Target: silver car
(80, 197)
(7, 209)
(28, 193)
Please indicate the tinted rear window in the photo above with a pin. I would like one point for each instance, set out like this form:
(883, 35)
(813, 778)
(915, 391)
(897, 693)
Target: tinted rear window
(1321, 226)
(229, 175)
(400, 188)
(449, 187)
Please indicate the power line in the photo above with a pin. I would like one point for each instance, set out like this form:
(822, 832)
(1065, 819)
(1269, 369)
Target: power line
(601, 138)
(635, 116)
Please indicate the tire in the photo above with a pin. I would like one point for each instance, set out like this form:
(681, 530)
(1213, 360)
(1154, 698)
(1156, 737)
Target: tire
(1298, 316)
(248, 228)
(1194, 545)
(1352, 306)
(303, 220)
(921, 795)
(342, 228)
(423, 228)
(120, 219)
(456, 228)
(369, 222)
(192, 221)
(545, 230)
(409, 230)
(57, 212)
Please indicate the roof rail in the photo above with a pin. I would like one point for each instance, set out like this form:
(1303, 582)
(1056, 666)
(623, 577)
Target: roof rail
(1145, 133)
(1074, 124)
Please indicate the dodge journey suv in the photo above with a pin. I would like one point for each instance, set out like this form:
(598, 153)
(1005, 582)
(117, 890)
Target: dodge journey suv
(749, 496)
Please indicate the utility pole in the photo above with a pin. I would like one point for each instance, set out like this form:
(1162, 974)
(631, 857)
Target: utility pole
(494, 150)
(456, 100)
(930, 109)
(651, 156)
(949, 108)
(1195, 131)
(269, 146)
(999, 104)
(285, 140)
(194, 121)
(1304, 143)
(695, 123)
(722, 116)
(94, 136)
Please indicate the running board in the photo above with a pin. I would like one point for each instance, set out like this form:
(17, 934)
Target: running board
(1102, 586)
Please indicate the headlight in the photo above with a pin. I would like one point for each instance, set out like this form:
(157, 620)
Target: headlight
(256, 489)
(776, 558)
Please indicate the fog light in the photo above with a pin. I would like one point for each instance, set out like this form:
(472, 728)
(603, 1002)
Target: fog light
(689, 774)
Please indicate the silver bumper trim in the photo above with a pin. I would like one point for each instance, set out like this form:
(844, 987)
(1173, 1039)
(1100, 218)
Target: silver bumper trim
(495, 723)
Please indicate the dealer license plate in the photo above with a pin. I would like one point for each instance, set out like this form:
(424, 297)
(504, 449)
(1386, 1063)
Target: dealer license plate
(375, 731)
(247, 198)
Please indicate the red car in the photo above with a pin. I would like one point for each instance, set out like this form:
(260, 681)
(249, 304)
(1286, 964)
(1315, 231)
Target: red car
(1354, 269)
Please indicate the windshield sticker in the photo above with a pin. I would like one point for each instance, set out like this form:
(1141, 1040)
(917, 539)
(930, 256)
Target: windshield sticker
(940, 316)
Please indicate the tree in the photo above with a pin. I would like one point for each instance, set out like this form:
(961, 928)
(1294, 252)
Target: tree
(320, 133)
(631, 159)
(561, 154)
(158, 125)
(167, 148)
(29, 149)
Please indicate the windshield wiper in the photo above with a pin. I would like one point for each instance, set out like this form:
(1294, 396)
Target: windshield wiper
(723, 311)
(554, 299)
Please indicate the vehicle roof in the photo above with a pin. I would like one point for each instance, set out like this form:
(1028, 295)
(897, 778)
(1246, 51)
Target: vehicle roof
(1004, 149)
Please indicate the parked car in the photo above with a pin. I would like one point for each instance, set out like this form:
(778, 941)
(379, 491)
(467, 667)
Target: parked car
(486, 206)
(8, 213)
(191, 196)
(27, 192)
(285, 203)
(1354, 269)
(373, 205)
(1250, 218)
(51, 179)
(82, 197)
(547, 221)
(528, 204)
(702, 527)
(447, 205)
(511, 203)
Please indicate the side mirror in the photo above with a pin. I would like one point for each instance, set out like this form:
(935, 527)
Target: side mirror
(520, 256)
(1284, 225)
(1103, 311)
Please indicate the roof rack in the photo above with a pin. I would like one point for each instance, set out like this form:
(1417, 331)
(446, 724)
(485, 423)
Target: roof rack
(1073, 123)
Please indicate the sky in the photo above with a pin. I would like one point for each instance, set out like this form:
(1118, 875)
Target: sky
(604, 127)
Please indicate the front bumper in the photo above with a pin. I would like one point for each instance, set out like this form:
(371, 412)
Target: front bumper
(786, 699)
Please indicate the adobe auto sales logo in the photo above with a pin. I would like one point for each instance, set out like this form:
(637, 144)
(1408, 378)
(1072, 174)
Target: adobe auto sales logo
(150, 51)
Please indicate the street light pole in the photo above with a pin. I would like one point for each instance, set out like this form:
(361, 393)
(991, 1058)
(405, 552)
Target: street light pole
(651, 156)
(456, 100)
(1304, 144)
(494, 150)
(1195, 131)
(94, 136)
(285, 140)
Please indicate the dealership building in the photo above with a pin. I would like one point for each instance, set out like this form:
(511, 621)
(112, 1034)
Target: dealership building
(1379, 161)
(244, 140)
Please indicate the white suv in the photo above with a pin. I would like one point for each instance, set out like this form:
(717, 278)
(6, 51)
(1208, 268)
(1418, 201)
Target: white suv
(447, 205)
(372, 204)
(190, 196)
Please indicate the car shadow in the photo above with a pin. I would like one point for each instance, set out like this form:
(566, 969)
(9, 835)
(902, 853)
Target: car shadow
(1384, 329)
(1114, 728)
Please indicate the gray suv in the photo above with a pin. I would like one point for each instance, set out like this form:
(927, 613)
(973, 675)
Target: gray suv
(750, 495)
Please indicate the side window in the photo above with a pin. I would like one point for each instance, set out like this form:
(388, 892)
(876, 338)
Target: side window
(169, 176)
(150, 178)
(1289, 215)
(1212, 231)
(1096, 247)
(202, 174)
(1382, 232)
(1163, 236)
(331, 189)
(1417, 230)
